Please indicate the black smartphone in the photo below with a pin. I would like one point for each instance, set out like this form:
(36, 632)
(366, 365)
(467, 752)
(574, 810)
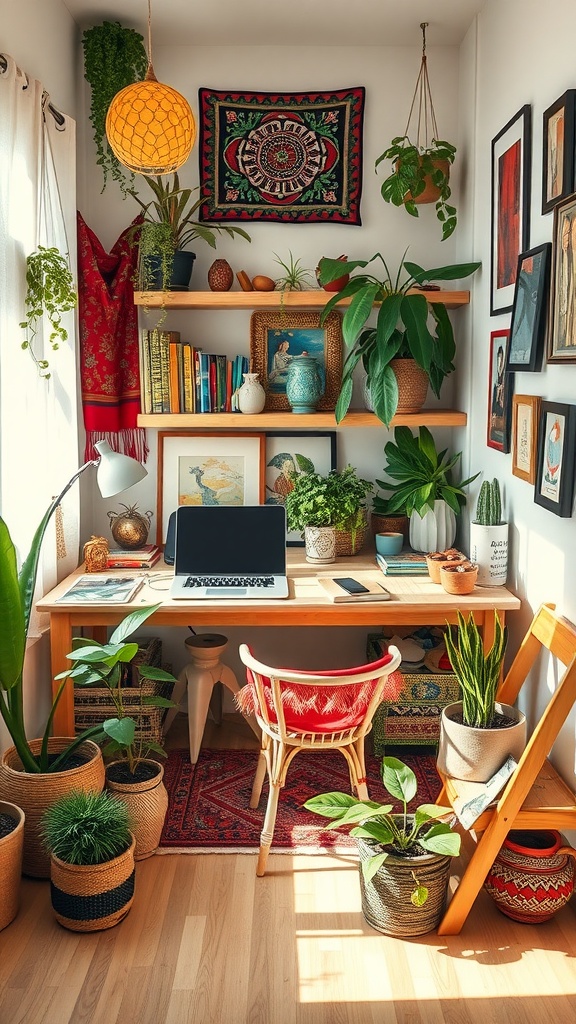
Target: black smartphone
(351, 586)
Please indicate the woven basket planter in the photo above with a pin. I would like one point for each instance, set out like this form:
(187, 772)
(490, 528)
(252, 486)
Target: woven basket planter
(412, 385)
(386, 897)
(35, 792)
(11, 865)
(147, 803)
(92, 897)
(350, 543)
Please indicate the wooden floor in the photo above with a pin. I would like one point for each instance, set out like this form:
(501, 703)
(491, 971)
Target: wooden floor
(206, 942)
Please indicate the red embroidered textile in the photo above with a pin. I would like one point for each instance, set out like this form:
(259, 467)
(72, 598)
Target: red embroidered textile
(109, 344)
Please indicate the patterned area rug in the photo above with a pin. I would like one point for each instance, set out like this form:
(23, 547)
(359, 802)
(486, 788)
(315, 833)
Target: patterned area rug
(208, 808)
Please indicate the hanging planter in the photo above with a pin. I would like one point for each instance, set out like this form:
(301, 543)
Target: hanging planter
(421, 168)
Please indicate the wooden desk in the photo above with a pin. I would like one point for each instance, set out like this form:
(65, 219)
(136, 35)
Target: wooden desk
(415, 601)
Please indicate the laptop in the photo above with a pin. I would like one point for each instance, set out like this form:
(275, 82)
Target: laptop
(236, 551)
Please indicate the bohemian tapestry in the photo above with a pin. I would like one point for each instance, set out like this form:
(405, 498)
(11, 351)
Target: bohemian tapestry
(289, 157)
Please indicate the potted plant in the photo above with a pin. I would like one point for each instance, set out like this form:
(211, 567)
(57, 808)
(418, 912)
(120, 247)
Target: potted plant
(168, 226)
(294, 275)
(477, 734)
(410, 337)
(135, 777)
(49, 291)
(324, 506)
(423, 487)
(489, 537)
(404, 858)
(91, 860)
(384, 520)
(11, 845)
(420, 175)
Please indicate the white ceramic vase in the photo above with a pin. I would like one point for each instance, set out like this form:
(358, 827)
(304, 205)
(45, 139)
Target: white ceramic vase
(251, 396)
(489, 549)
(435, 530)
(320, 544)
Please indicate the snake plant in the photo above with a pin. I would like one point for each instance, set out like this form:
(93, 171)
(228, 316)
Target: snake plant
(478, 672)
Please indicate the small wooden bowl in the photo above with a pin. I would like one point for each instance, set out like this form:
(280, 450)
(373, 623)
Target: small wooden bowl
(436, 559)
(459, 579)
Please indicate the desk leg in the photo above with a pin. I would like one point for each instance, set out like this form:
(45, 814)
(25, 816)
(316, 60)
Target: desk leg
(60, 646)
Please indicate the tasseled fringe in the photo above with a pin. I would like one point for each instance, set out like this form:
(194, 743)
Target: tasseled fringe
(128, 442)
(302, 699)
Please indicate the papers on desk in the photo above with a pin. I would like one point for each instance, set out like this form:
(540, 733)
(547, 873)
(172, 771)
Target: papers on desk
(93, 589)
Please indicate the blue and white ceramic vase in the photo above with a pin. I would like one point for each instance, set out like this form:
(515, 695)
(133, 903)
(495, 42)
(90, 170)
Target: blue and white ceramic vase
(303, 384)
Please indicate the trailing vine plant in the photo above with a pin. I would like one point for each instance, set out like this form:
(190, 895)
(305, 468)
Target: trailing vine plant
(49, 290)
(114, 57)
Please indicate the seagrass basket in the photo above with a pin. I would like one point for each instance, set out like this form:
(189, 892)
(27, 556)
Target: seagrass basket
(92, 897)
(10, 864)
(350, 542)
(412, 385)
(147, 803)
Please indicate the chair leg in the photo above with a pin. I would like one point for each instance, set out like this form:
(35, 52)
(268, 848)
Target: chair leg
(358, 775)
(258, 780)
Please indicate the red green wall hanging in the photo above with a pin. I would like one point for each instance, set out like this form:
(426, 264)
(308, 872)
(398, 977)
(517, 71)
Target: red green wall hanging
(291, 157)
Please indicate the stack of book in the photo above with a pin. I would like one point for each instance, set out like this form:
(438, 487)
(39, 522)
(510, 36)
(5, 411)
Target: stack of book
(139, 558)
(407, 563)
(177, 377)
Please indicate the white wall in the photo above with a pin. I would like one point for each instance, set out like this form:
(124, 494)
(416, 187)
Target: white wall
(525, 54)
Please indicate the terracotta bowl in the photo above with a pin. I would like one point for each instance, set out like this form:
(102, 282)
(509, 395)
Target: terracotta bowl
(436, 559)
(460, 578)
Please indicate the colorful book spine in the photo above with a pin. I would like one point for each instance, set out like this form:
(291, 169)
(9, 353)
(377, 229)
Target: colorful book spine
(155, 371)
(188, 376)
(174, 379)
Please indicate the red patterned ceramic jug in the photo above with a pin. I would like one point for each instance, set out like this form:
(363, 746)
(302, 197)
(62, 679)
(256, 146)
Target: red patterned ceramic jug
(533, 875)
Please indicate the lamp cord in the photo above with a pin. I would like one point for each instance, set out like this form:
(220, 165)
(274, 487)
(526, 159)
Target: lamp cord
(150, 76)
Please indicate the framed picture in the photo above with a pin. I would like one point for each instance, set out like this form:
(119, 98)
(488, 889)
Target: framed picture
(208, 469)
(275, 338)
(556, 446)
(558, 151)
(525, 420)
(562, 333)
(499, 393)
(530, 309)
(511, 162)
(290, 453)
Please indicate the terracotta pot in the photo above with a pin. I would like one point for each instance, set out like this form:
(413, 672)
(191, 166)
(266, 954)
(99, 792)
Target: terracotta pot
(147, 802)
(533, 876)
(436, 560)
(474, 755)
(11, 864)
(431, 191)
(458, 579)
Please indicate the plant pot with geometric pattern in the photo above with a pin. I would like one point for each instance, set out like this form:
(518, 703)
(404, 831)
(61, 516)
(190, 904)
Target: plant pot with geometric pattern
(532, 877)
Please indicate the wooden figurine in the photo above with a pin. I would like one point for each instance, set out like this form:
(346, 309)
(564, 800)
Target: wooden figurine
(96, 554)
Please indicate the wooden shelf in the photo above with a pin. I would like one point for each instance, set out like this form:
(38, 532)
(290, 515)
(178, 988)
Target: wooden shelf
(293, 421)
(313, 299)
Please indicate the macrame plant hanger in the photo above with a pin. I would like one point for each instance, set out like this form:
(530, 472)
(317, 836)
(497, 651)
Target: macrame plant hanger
(427, 128)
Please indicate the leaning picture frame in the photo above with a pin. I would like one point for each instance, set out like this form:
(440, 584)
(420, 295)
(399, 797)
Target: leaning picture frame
(500, 388)
(558, 137)
(276, 337)
(554, 487)
(290, 453)
(525, 420)
(562, 318)
(530, 309)
(205, 468)
(510, 206)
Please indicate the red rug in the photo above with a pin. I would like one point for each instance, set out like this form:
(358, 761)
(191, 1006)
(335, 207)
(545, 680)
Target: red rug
(208, 808)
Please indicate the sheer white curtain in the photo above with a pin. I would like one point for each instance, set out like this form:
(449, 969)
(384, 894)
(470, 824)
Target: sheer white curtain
(39, 448)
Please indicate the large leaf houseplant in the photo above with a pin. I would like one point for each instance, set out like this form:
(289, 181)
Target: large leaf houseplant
(407, 327)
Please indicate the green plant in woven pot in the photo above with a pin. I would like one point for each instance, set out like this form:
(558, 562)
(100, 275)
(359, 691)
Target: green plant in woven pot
(478, 733)
(319, 506)
(404, 858)
(91, 852)
(489, 537)
(408, 329)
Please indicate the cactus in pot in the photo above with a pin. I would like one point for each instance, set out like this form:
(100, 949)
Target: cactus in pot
(489, 504)
(489, 537)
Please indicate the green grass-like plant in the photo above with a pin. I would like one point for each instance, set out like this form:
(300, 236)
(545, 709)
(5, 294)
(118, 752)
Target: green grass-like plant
(86, 828)
(478, 673)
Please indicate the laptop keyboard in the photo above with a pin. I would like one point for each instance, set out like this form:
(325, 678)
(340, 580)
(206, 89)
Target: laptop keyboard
(229, 581)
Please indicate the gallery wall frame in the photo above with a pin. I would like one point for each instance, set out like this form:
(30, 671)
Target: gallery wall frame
(530, 309)
(562, 326)
(276, 336)
(500, 388)
(554, 487)
(558, 137)
(510, 206)
(203, 468)
(525, 421)
(291, 452)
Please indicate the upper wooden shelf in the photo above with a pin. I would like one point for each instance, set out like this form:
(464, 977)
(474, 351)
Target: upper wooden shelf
(313, 299)
(293, 421)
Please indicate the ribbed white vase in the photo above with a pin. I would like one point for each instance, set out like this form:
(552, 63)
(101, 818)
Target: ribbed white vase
(435, 530)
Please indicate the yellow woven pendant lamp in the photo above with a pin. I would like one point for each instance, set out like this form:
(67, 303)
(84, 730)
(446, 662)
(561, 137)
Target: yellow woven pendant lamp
(150, 126)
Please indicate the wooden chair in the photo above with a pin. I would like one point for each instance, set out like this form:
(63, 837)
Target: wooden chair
(535, 797)
(311, 711)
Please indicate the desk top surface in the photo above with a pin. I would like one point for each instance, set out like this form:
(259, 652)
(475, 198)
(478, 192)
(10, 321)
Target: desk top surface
(410, 596)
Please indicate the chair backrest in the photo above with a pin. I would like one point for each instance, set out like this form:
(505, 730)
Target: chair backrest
(314, 703)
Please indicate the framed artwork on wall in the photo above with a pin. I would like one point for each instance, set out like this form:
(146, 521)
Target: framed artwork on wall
(525, 420)
(500, 389)
(558, 151)
(562, 332)
(510, 230)
(207, 469)
(290, 453)
(275, 338)
(530, 309)
(556, 448)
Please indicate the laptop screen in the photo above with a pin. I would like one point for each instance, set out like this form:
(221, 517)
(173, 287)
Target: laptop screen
(230, 540)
